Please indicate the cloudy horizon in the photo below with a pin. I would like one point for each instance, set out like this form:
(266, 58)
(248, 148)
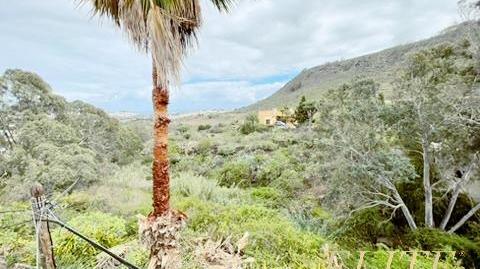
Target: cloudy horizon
(242, 57)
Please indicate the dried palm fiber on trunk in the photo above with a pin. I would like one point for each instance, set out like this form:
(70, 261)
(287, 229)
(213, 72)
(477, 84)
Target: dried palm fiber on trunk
(161, 236)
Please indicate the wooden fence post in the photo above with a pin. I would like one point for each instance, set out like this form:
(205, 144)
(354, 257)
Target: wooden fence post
(42, 229)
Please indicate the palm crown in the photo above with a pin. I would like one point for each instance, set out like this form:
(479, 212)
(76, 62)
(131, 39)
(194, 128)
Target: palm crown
(167, 28)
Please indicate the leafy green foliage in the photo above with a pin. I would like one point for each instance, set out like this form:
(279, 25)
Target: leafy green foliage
(104, 228)
(16, 236)
(290, 189)
(251, 124)
(238, 173)
(304, 111)
(203, 127)
(467, 250)
(56, 143)
(275, 242)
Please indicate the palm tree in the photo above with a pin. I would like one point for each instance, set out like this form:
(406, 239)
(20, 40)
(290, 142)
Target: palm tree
(166, 29)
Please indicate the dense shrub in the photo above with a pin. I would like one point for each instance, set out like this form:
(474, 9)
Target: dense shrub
(251, 124)
(193, 186)
(204, 147)
(203, 127)
(238, 173)
(217, 129)
(274, 241)
(279, 164)
(314, 220)
(269, 196)
(364, 228)
(429, 239)
(290, 182)
(17, 238)
(104, 228)
(261, 144)
(226, 150)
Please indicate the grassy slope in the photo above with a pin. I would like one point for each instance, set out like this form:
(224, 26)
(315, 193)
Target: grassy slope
(380, 66)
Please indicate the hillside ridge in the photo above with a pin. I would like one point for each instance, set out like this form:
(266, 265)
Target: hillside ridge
(380, 66)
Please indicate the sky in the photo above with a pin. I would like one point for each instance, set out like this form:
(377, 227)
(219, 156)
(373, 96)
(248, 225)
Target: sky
(242, 57)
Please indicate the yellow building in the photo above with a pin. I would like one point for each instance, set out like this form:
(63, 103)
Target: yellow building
(270, 117)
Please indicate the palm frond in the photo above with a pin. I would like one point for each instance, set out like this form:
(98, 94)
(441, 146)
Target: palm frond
(223, 5)
(166, 28)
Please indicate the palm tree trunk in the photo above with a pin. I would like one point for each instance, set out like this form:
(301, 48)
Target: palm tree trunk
(160, 167)
(161, 230)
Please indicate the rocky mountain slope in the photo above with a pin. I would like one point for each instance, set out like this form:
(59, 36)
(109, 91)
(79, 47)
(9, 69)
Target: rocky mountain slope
(380, 66)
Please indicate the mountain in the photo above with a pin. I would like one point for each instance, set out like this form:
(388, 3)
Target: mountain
(380, 66)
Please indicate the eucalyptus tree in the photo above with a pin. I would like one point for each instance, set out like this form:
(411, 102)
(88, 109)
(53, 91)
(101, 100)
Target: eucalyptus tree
(437, 117)
(363, 169)
(166, 29)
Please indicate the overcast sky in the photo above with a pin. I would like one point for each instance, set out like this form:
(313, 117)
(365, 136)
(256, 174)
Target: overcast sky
(242, 57)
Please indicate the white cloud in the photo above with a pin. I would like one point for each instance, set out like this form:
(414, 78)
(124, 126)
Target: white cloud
(231, 94)
(260, 40)
(268, 37)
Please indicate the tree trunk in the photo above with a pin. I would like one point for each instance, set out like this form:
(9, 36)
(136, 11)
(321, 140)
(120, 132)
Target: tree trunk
(406, 211)
(464, 219)
(453, 201)
(456, 192)
(160, 167)
(451, 206)
(427, 186)
(161, 230)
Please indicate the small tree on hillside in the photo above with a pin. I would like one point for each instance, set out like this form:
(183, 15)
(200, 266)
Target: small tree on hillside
(287, 115)
(304, 111)
(250, 124)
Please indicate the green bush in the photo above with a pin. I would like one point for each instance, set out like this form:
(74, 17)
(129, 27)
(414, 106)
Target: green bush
(202, 127)
(364, 228)
(314, 220)
(237, 173)
(217, 129)
(269, 196)
(251, 125)
(193, 186)
(17, 243)
(226, 150)
(429, 239)
(290, 182)
(275, 166)
(105, 229)
(259, 144)
(274, 241)
(204, 147)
